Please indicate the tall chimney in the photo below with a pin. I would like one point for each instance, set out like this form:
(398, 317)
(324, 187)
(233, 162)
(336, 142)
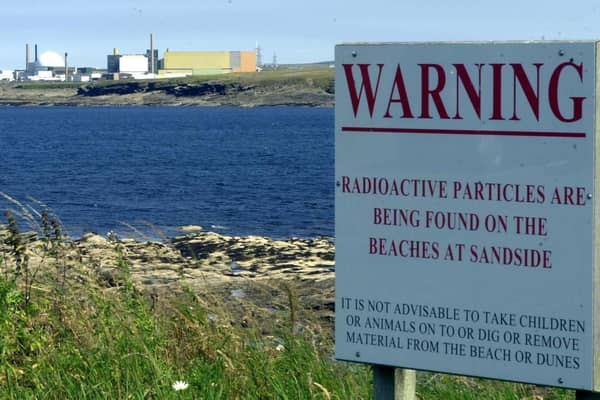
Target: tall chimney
(35, 53)
(151, 55)
(66, 68)
(26, 56)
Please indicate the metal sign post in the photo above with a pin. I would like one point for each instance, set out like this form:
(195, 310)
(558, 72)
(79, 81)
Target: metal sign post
(391, 383)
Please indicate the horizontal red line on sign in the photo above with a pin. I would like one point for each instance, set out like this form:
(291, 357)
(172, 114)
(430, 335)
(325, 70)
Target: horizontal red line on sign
(473, 132)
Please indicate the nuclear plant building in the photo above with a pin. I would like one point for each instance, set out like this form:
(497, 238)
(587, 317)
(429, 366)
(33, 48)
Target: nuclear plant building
(52, 66)
(47, 66)
(207, 62)
(179, 63)
(182, 63)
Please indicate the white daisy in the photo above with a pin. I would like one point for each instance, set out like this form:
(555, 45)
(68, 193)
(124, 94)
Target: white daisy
(180, 385)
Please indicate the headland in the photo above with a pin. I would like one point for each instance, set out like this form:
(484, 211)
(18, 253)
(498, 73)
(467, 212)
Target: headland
(311, 87)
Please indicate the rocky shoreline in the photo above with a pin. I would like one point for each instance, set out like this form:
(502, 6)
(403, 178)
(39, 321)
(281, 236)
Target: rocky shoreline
(257, 279)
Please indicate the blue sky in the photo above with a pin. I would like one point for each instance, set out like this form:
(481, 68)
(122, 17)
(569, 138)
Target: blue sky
(296, 31)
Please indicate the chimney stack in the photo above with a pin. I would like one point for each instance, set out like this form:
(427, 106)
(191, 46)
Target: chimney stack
(151, 55)
(35, 53)
(66, 68)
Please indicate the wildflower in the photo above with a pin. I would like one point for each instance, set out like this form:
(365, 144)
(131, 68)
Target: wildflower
(180, 385)
(279, 347)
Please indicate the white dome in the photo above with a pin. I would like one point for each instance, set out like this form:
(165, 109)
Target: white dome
(50, 59)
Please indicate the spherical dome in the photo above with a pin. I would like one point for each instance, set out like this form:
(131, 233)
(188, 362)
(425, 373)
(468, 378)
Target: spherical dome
(50, 59)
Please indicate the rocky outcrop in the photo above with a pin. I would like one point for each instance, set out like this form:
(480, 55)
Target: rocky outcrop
(255, 276)
(174, 89)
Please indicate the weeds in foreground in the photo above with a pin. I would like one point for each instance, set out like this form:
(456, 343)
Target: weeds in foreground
(65, 337)
(110, 344)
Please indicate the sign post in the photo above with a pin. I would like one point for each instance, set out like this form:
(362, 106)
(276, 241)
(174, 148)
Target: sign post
(383, 383)
(466, 209)
(394, 383)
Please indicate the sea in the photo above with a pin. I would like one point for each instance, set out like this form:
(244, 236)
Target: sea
(146, 171)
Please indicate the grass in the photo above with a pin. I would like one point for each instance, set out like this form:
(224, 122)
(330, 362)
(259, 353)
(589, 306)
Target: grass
(114, 346)
(314, 77)
(48, 85)
(440, 386)
(64, 337)
(86, 343)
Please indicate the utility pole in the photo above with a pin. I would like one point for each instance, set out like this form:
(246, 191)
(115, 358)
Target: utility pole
(151, 54)
(258, 55)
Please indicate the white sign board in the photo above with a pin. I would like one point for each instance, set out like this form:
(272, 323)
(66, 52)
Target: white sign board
(465, 209)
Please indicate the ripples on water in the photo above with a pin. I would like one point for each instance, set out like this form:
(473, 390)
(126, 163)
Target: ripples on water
(264, 171)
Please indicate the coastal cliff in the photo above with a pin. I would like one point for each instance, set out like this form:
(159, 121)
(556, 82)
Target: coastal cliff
(312, 87)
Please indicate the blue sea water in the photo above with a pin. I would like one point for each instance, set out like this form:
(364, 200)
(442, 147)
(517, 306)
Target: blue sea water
(264, 171)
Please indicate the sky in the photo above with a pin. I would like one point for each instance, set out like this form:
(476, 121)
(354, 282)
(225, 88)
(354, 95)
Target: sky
(292, 31)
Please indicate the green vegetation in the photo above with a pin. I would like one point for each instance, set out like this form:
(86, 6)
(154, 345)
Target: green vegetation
(65, 337)
(48, 85)
(448, 387)
(114, 345)
(317, 77)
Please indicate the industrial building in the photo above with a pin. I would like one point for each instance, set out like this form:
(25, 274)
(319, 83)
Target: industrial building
(7, 75)
(207, 62)
(152, 56)
(135, 65)
(126, 63)
(180, 63)
(49, 66)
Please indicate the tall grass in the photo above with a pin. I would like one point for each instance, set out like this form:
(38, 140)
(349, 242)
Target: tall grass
(71, 339)
(92, 343)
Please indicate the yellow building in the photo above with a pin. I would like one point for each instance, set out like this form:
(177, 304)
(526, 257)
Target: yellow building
(208, 62)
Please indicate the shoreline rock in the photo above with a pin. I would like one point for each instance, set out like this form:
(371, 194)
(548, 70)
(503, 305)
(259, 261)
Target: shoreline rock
(251, 275)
